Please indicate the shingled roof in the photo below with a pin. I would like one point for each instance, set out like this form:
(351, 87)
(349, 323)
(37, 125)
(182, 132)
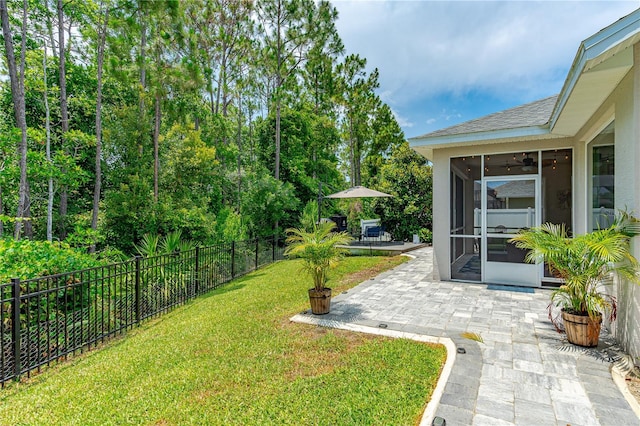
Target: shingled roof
(533, 114)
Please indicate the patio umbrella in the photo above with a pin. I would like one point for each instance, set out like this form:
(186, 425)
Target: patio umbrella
(353, 192)
(358, 192)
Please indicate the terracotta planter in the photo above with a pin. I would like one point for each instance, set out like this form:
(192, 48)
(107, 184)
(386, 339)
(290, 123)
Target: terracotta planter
(320, 301)
(581, 329)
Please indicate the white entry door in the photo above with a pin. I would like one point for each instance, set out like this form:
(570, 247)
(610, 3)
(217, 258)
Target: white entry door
(510, 203)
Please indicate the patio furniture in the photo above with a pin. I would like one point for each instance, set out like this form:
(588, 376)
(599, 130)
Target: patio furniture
(368, 223)
(340, 221)
(373, 231)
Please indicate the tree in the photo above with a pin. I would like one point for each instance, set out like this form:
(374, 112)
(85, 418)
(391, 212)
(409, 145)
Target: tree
(267, 201)
(48, 146)
(16, 78)
(386, 136)
(318, 73)
(191, 175)
(304, 133)
(358, 102)
(166, 31)
(319, 69)
(408, 178)
(290, 29)
(103, 19)
(171, 116)
(64, 111)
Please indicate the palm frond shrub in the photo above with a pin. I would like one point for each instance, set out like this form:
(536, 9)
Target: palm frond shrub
(585, 262)
(318, 250)
(148, 247)
(171, 242)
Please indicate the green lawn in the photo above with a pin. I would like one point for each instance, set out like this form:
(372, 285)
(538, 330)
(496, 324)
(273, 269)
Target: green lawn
(232, 357)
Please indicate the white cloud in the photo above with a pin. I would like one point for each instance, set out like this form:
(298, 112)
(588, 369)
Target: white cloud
(424, 48)
(403, 122)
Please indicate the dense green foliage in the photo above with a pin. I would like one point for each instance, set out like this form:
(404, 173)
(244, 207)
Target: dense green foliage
(408, 178)
(215, 118)
(30, 259)
(234, 358)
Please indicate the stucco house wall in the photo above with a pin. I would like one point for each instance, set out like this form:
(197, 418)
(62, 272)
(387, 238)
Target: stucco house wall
(627, 183)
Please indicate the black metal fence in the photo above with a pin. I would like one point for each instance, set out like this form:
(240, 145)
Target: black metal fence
(48, 318)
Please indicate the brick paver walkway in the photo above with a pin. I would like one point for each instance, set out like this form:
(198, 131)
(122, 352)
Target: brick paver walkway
(524, 373)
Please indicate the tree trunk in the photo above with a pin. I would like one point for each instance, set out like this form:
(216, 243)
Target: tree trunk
(316, 107)
(64, 114)
(143, 83)
(212, 99)
(239, 151)
(223, 81)
(277, 161)
(98, 181)
(48, 147)
(356, 163)
(69, 38)
(250, 133)
(156, 148)
(217, 103)
(17, 95)
(223, 85)
(23, 192)
(351, 152)
(28, 225)
(278, 90)
(52, 40)
(1, 213)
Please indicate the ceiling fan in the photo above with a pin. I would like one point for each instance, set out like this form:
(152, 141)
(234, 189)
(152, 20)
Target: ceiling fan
(528, 163)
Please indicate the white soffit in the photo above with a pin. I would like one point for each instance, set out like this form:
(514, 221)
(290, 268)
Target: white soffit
(591, 89)
(530, 134)
(426, 152)
(600, 64)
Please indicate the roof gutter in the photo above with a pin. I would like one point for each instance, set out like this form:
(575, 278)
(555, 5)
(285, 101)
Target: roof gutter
(481, 136)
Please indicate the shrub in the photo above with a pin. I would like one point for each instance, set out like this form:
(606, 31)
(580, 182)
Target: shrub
(26, 259)
(426, 235)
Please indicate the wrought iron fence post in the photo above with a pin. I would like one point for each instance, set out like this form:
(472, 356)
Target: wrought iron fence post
(233, 259)
(137, 288)
(15, 328)
(257, 249)
(197, 280)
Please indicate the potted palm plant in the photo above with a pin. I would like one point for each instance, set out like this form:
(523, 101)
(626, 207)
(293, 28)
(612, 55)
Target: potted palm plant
(317, 247)
(586, 263)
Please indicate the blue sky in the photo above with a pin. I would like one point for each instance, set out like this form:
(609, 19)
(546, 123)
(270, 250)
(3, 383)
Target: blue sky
(445, 62)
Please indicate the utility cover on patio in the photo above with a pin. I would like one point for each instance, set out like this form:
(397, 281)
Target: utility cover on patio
(358, 192)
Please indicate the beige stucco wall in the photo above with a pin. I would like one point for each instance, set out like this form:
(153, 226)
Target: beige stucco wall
(440, 212)
(627, 195)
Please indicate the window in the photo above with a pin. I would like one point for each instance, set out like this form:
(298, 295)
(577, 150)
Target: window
(602, 181)
(556, 186)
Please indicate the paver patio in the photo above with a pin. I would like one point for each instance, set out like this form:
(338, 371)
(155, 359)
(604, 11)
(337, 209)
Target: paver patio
(524, 373)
